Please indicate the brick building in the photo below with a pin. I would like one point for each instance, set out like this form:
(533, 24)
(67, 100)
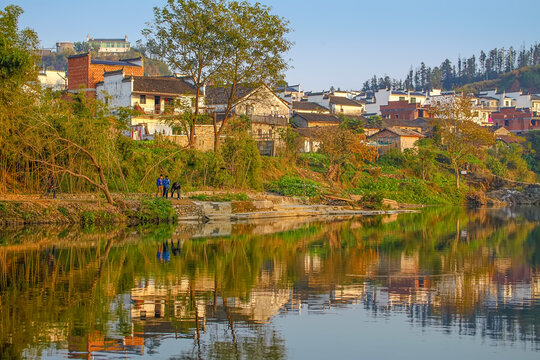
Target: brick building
(516, 120)
(404, 110)
(85, 72)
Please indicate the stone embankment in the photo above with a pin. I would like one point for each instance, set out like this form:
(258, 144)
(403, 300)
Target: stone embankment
(514, 193)
(92, 209)
(269, 207)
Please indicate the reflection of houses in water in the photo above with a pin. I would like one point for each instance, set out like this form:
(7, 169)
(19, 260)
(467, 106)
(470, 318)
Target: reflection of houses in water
(84, 347)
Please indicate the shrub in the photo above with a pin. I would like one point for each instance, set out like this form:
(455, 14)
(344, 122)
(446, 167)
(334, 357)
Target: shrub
(156, 210)
(63, 211)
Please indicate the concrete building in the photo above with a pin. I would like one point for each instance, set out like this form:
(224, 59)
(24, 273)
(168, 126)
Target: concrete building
(52, 79)
(108, 45)
(153, 98)
(345, 106)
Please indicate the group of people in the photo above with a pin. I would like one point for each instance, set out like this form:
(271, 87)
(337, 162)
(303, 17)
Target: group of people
(163, 184)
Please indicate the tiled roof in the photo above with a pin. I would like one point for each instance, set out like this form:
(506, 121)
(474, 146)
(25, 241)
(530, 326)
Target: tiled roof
(401, 132)
(112, 62)
(218, 95)
(162, 85)
(308, 106)
(314, 117)
(339, 100)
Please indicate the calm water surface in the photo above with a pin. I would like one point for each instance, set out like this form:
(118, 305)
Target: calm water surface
(444, 284)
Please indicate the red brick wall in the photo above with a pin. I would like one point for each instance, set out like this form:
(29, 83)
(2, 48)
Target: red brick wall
(82, 72)
(78, 72)
(97, 70)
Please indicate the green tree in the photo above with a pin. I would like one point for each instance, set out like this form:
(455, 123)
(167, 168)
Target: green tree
(18, 93)
(460, 136)
(189, 36)
(254, 47)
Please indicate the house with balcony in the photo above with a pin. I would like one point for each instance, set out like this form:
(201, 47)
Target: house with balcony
(153, 98)
(269, 113)
(108, 45)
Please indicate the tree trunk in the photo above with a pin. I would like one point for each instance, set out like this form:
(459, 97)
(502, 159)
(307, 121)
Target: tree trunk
(217, 133)
(104, 186)
(456, 169)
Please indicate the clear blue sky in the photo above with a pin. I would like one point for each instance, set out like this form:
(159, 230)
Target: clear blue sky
(340, 42)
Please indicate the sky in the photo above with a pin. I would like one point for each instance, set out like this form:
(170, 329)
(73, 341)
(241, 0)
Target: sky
(339, 43)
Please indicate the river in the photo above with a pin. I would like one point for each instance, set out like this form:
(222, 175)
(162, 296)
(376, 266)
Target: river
(445, 283)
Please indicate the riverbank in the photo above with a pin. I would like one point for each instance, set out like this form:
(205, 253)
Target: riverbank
(133, 209)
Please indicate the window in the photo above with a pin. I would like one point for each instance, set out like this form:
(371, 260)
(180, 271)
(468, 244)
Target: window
(142, 99)
(413, 100)
(402, 98)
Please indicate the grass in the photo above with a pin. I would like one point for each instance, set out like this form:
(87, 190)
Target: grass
(294, 186)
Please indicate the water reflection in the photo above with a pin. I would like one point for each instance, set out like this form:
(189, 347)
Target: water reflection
(194, 292)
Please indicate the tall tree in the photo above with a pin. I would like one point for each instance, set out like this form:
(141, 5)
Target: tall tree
(253, 52)
(189, 35)
(460, 135)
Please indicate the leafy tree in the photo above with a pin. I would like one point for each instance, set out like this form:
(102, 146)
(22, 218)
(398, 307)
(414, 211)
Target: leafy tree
(189, 35)
(253, 47)
(460, 137)
(342, 146)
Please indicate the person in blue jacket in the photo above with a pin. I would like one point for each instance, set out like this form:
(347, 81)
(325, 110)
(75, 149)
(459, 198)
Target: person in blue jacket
(159, 183)
(166, 184)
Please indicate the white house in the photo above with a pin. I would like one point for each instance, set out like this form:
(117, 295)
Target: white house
(152, 97)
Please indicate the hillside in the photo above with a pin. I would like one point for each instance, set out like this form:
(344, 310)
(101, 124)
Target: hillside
(527, 79)
(151, 66)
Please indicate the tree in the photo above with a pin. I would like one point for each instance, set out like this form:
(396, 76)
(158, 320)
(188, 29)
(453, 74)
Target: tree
(460, 136)
(252, 53)
(343, 145)
(74, 137)
(18, 93)
(189, 36)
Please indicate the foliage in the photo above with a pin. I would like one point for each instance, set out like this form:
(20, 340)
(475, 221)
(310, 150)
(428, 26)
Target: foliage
(507, 161)
(343, 146)
(242, 159)
(460, 136)
(156, 210)
(532, 153)
(294, 186)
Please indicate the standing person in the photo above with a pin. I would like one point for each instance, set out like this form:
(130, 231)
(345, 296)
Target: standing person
(159, 183)
(51, 186)
(166, 184)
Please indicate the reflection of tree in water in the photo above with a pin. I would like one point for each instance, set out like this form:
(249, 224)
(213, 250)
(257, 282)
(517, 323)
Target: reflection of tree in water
(460, 271)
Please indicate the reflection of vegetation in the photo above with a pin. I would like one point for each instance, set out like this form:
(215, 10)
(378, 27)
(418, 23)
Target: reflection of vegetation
(71, 289)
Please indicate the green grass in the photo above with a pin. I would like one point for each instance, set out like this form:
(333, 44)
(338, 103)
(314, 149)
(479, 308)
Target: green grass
(410, 190)
(294, 186)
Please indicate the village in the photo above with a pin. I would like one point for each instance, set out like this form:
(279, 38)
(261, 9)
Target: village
(401, 116)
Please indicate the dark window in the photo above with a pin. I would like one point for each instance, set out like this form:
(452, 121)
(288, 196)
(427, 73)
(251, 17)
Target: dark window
(506, 122)
(142, 99)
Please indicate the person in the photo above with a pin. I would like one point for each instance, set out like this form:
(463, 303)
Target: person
(176, 187)
(166, 184)
(159, 184)
(51, 186)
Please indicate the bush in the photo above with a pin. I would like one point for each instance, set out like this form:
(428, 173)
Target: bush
(63, 211)
(156, 210)
(294, 186)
